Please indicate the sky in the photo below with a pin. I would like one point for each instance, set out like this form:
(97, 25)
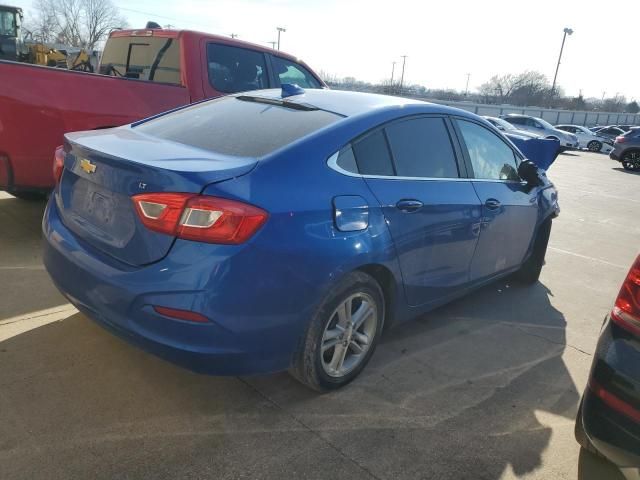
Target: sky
(443, 40)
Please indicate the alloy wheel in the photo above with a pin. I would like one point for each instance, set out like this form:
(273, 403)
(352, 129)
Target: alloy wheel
(631, 161)
(348, 335)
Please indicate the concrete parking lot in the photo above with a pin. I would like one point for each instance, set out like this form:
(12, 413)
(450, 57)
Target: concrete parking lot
(484, 388)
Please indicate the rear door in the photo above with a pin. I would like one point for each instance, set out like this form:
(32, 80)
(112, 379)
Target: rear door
(509, 209)
(433, 215)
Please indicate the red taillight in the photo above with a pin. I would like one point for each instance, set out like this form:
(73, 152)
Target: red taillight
(187, 315)
(613, 401)
(199, 217)
(621, 139)
(58, 163)
(626, 311)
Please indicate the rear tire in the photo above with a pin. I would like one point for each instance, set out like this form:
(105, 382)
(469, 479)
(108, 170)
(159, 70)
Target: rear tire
(529, 272)
(631, 161)
(594, 146)
(342, 335)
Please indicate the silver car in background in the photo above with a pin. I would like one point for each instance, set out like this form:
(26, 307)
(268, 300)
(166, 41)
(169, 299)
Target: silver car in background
(506, 127)
(587, 139)
(543, 128)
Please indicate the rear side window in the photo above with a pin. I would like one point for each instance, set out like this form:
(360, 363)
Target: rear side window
(421, 147)
(516, 120)
(155, 59)
(291, 72)
(235, 69)
(372, 155)
(491, 158)
(236, 127)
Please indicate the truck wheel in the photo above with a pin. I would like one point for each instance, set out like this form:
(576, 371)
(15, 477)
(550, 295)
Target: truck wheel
(342, 335)
(530, 270)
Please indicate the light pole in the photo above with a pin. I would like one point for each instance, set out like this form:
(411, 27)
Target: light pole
(393, 69)
(234, 35)
(280, 30)
(404, 60)
(567, 31)
(273, 44)
(466, 90)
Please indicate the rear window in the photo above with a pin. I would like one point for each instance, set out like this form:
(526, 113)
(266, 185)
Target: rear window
(235, 69)
(236, 127)
(155, 59)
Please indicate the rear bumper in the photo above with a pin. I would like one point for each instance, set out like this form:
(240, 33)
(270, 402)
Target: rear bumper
(615, 369)
(247, 333)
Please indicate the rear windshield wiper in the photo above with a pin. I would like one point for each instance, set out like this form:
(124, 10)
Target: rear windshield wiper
(280, 103)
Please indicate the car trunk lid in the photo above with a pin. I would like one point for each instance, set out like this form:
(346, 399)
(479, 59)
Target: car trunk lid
(104, 169)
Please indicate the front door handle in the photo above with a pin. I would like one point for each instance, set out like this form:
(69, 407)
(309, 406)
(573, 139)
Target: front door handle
(492, 204)
(409, 206)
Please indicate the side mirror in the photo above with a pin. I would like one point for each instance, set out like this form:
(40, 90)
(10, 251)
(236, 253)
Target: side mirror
(528, 171)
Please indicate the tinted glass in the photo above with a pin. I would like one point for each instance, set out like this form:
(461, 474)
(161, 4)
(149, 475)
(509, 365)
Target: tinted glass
(234, 69)
(237, 127)
(146, 58)
(490, 156)
(347, 161)
(421, 147)
(372, 155)
(516, 120)
(291, 72)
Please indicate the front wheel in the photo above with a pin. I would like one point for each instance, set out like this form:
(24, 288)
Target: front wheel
(343, 334)
(594, 146)
(530, 270)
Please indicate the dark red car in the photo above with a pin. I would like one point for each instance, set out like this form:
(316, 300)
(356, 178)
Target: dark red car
(142, 73)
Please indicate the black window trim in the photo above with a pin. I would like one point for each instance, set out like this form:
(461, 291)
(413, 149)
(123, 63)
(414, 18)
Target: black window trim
(463, 176)
(465, 151)
(265, 56)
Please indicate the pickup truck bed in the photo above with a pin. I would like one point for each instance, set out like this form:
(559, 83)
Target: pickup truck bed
(153, 70)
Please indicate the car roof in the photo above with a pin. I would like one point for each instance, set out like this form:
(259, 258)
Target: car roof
(347, 103)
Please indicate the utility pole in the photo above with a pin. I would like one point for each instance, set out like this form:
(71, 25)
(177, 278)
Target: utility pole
(567, 31)
(280, 30)
(393, 69)
(234, 35)
(466, 90)
(273, 44)
(404, 60)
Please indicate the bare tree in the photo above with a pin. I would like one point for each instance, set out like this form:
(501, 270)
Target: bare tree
(77, 23)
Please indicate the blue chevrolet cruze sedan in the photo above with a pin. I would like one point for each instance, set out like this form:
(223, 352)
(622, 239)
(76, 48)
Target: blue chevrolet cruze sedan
(284, 230)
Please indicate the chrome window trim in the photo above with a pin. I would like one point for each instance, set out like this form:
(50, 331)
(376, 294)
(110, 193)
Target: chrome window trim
(332, 163)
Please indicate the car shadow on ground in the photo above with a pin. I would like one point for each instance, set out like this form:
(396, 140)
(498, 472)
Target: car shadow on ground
(469, 391)
(24, 283)
(620, 169)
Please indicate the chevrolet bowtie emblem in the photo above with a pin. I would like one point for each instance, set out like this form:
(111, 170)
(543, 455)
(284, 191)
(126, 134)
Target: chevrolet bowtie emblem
(87, 166)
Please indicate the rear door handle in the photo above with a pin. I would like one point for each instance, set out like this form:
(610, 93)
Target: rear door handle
(409, 206)
(492, 204)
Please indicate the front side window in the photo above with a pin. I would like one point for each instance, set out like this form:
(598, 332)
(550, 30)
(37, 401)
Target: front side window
(155, 59)
(491, 158)
(421, 147)
(372, 155)
(291, 72)
(516, 120)
(235, 69)
(8, 25)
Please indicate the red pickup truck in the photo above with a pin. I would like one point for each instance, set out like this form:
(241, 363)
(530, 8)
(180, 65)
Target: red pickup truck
(141, 73)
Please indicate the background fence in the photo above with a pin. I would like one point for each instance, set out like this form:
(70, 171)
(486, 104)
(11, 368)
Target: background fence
(554, 117)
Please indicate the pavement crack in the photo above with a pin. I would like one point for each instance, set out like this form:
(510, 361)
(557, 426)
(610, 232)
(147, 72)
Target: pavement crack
(547, 339)
(311, 430)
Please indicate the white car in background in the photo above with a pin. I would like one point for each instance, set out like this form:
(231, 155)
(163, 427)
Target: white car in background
(587, 139)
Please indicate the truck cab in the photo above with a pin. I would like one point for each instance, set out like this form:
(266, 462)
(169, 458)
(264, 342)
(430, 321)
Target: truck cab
(10, 33)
